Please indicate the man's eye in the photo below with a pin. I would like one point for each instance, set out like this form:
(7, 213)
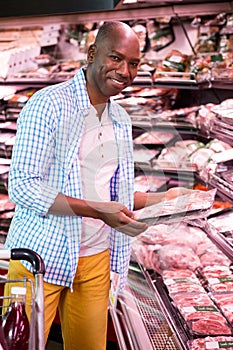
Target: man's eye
(115, 58)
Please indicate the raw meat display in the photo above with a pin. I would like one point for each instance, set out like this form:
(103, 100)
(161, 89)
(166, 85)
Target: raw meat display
(201, 314)
(177, 156)
(190, 154)
(189, 264)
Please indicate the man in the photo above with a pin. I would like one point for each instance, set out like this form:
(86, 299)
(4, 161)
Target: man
(71, 179)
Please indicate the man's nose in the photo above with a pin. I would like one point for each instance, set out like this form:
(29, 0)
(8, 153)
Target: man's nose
(123, 69)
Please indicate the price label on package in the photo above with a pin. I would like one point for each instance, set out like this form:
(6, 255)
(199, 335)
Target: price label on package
(114, 290)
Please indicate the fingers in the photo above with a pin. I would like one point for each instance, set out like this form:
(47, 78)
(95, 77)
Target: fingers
(127, 212)
(177, 191)
(132, 228)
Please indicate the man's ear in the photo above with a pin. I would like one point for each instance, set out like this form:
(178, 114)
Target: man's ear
(91, 53)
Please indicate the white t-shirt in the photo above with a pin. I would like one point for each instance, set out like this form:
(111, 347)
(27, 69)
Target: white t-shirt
(98, 160)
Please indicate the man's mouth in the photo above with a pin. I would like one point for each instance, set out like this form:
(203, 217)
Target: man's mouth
(118, 82)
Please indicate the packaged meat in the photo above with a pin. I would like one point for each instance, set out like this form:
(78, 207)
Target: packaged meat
(186, 207)
(213, 343)
(144, 156)
(221, 284)
(212, 323)
(183, 286)
(172, 256)
(214, 257)
(179, 274)
(225, 303)
(145, 183)
(191, 300)
(201, 315)
(215, 271)
(146, 255)
(222, 222)
(154, 137)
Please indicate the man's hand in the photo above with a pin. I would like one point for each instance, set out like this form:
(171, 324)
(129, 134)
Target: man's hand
(175, 192)
(119, 217)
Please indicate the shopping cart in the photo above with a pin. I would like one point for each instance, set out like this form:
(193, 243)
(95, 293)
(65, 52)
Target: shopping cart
(36, 339)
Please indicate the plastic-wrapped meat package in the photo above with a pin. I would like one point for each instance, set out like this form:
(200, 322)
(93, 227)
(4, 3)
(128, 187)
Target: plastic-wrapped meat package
(191, 300)
(201, 156)
(214, 256)
(184, 286)
(179, 273)
(144, 155)
(215, 271)
(223, 222)
(201, 314)
(185, 207)
(185, 235)
(179, 233)
(173, 256)
(225, 303)
(146, 255)
(154, 137)
(172, 157)
(213, 343)
(145, 183)
(179, 283)
(210, 323)
(223, 284)
(155, 234)
(178, 154)
(205, 246)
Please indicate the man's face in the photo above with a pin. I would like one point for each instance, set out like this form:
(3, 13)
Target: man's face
(115, 64)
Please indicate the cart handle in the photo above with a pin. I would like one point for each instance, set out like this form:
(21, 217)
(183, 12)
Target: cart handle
(30, 256)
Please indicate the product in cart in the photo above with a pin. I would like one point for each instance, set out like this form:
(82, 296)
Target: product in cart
(3, 343)
(15, 323)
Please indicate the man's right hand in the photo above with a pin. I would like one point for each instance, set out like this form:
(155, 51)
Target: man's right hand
(119, 217)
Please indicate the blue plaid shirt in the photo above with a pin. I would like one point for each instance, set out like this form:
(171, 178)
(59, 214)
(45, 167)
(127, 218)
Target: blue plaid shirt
(45, 162)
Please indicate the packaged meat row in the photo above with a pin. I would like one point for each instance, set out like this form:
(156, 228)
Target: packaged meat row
(189, 154)
(189, 267)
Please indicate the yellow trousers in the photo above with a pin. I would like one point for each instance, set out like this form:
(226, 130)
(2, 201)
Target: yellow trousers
(83, 312)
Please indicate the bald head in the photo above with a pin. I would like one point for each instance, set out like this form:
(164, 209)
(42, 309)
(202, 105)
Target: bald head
(110, 30)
